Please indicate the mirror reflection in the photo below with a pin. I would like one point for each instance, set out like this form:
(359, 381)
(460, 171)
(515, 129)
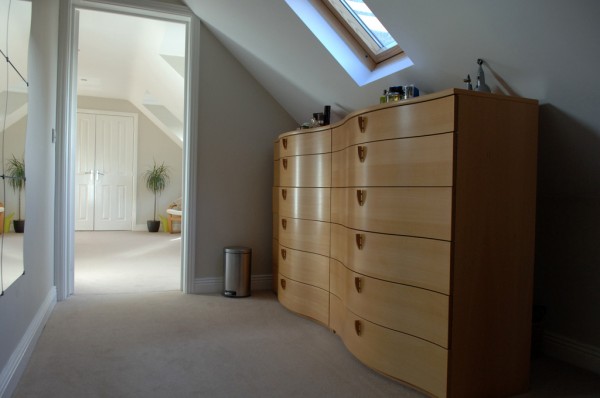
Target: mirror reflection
(15, 19)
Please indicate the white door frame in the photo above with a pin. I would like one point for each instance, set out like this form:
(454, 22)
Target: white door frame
(66, 129)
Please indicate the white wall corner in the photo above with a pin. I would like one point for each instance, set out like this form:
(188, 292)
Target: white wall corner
(215, 285)
(14, 368)
(571, 351)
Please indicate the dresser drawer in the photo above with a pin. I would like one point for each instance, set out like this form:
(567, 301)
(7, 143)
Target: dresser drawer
(405, 120)
(418, 161)
(305, 171)
(412, 261)
(306, 203)
(406, 358)
(419, 212)
(276, 150)
(276, 173)
(305, 235)
(418, 312)
(309, 268)
(304, 299)
(275, 259)
(275, 199)
(305, 143)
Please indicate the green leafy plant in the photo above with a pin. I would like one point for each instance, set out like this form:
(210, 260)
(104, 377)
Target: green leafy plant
(15, 171)
(156, 179)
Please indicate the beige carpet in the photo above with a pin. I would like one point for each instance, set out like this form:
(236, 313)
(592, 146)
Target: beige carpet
(126, 262)
(174, 345)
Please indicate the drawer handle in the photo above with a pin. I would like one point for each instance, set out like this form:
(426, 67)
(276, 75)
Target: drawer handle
(362, 123)
(283, 253)
(285, 164)
(358, 327)
(362, 153)
(282, 281)
(284, 223)
(358, 284)
(361, 195)
(284, 142)
(284, 193)
(360, 241)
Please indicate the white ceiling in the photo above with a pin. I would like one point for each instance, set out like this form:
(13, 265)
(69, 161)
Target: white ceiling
(135, 59)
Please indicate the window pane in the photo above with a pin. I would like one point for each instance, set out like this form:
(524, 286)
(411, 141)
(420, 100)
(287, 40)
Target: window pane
(370, 23)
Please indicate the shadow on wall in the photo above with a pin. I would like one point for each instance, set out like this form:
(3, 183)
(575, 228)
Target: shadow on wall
(567, 275)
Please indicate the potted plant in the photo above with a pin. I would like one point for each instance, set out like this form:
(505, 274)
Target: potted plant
(156, 179)
(15, 171)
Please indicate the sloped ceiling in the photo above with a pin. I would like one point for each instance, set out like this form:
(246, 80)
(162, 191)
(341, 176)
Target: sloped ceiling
(542, 49)
(136, 59)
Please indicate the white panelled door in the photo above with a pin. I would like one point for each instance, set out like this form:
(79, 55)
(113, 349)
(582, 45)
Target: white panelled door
(104, 172)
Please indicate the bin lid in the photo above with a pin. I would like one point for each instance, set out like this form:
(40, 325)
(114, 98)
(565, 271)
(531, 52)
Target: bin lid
(237, 249)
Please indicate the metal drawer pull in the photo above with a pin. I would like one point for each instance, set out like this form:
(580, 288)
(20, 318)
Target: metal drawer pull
(362, 153)
(284, 142)
(285, 164)
(358, 284)
(282, 283)
(283, 253)
(361, 195)
(358, 327)
(284, 193)
(284, 223)
(360, 241)
(362, 123)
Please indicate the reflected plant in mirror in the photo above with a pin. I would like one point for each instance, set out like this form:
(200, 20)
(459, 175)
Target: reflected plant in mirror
(15, 24)
(15, 173)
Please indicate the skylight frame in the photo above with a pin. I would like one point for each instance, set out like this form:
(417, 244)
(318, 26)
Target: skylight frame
(361, 33)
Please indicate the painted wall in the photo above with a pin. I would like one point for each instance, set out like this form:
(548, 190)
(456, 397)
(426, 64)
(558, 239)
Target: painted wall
(153, 144)
(239, 121)
(23, 301)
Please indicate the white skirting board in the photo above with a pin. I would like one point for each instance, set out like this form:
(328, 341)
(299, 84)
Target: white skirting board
(571, 351)
(9, 378)
(215, 285)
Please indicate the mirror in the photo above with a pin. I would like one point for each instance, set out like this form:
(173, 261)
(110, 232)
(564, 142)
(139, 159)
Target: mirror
(15, 20)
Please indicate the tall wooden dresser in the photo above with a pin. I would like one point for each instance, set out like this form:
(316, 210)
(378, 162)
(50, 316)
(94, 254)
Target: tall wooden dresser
(408, 229)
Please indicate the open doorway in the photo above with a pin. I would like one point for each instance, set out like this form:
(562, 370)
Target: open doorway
(130, 113)
(158, 115)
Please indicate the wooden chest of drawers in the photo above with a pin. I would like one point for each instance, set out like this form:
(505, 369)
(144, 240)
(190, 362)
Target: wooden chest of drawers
(427, 241)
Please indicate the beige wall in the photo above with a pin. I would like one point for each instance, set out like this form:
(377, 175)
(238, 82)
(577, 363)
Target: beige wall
(239, 121)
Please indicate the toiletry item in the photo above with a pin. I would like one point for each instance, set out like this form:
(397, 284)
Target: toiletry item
(481, 86)
(384, 98)
(327, 115)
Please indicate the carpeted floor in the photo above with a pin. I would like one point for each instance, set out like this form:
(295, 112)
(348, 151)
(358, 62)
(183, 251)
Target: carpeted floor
(128, 338)
(126, 262)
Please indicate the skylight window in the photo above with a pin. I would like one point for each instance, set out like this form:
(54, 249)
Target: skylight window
(349, 50)
(366, 28)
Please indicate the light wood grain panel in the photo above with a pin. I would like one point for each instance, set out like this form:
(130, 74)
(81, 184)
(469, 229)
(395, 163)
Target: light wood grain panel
(305, 235)
(304, 267)
(304, 299)
(419, 212)
(412, 261)
(305, 171)
(275, 199)
(306, 203)
(276, 173)
(305, 143)
(494, 247)
(408, 120)
(276, 150)
(275, 259)
(419, 161)
(409, 359)
(418, 312)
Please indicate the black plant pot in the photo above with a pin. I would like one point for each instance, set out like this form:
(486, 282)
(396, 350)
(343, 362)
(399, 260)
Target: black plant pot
(153, 225)
(19, 226)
